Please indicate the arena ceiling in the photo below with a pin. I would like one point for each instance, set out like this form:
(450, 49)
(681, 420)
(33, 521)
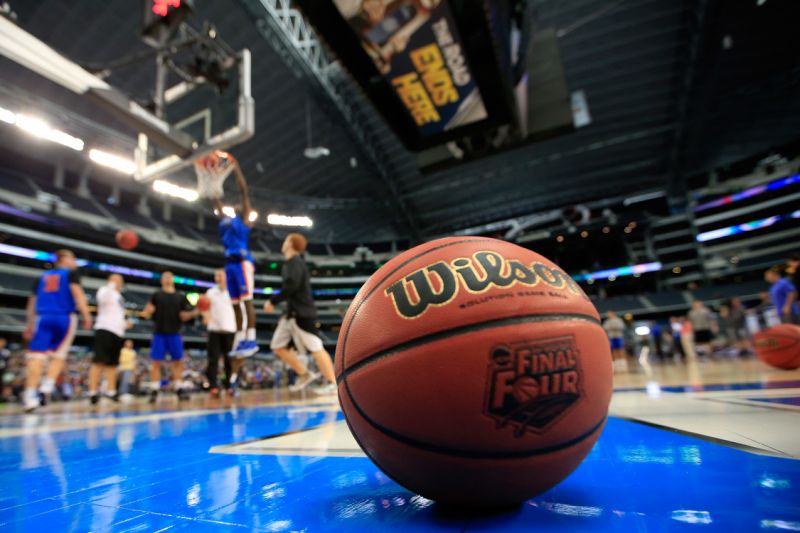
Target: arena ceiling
(674, 87)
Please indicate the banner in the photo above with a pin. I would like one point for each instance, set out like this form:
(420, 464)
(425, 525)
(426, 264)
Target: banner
(416, 47)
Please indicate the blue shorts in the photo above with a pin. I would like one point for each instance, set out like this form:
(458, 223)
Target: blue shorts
(617, 344)
(240, 280)
(53, 336)
(163, 344)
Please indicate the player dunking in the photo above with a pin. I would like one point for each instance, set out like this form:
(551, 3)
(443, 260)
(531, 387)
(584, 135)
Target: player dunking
(239, 270)
(298, 324)
(51, 325)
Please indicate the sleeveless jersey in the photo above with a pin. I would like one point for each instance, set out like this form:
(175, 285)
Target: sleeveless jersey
(53, 295)
(235, 234)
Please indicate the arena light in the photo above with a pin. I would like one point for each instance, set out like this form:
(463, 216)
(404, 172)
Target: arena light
(170, 189)
(749, 193)
(41, 255)
(620, 272)
(114, 161)
(742, 228)
(229, 211)
(40, 128)
(253, 216)
(642, 331)
(284, 220)
(18, 251)
(7, 116)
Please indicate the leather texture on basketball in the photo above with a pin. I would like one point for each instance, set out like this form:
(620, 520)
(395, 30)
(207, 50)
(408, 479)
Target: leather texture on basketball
(779, 346)
(127, 239)
(474, 371)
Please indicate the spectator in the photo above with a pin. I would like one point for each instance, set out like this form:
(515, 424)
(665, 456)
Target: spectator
(703, 325)
(656, 332)
(127, 364)
(738, 324)
(5, 358)
(767, 314)
(724, 327)
(687, 339)
(615, 329)
(676, 325)
(783, 294)
(793, 270)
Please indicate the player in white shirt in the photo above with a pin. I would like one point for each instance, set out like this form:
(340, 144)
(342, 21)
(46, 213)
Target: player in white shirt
(109, 330)
(221, 323)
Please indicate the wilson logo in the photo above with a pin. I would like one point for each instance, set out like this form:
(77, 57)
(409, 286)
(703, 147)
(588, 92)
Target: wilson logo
(767, 343)
(437, 284)
(532, 383)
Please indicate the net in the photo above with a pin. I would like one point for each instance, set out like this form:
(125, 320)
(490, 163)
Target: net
(212, 170)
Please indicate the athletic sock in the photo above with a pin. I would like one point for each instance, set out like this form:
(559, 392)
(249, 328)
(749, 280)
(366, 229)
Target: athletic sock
(251, 334)
(48, 386)
(237, 338)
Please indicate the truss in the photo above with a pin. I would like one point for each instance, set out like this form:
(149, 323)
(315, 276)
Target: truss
(286, 30)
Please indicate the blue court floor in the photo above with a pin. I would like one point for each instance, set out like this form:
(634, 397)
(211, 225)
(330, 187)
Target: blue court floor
(154, 471)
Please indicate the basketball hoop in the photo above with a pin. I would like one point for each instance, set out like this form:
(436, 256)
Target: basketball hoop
(212, 170)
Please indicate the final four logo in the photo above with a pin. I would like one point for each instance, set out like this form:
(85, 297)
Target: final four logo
(532, 383)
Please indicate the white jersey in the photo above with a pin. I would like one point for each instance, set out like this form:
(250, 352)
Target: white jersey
(221, 318)
(110, 310)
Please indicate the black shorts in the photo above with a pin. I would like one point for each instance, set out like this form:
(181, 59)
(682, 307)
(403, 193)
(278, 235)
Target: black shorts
(702, 336)
(107, 347)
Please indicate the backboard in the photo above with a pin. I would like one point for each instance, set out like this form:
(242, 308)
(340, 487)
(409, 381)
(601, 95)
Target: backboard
(210, 119)
(203, 100)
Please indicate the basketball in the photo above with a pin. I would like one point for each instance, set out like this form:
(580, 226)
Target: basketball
(203, 303)
(127, 239)
(209, 161)
(779, 346)
(474, 371)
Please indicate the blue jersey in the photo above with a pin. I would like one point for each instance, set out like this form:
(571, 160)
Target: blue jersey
(235, 234)
(779, 292)
(53, 295)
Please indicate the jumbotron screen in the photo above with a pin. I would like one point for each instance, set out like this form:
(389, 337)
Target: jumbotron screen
(413, 60)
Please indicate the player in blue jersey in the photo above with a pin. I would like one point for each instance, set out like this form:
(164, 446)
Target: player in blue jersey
(234, 231)
(51, 326)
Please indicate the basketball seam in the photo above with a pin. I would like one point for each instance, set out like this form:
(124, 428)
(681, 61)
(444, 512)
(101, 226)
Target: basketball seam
(469, 328)
(388, 275)
(469, 454)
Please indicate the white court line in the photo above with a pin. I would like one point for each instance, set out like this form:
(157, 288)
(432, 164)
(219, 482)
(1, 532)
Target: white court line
(33, 425)
(73, 425)
(328, 440)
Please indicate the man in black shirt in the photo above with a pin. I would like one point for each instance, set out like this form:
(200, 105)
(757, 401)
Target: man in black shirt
(299, 322)
(169, 309)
